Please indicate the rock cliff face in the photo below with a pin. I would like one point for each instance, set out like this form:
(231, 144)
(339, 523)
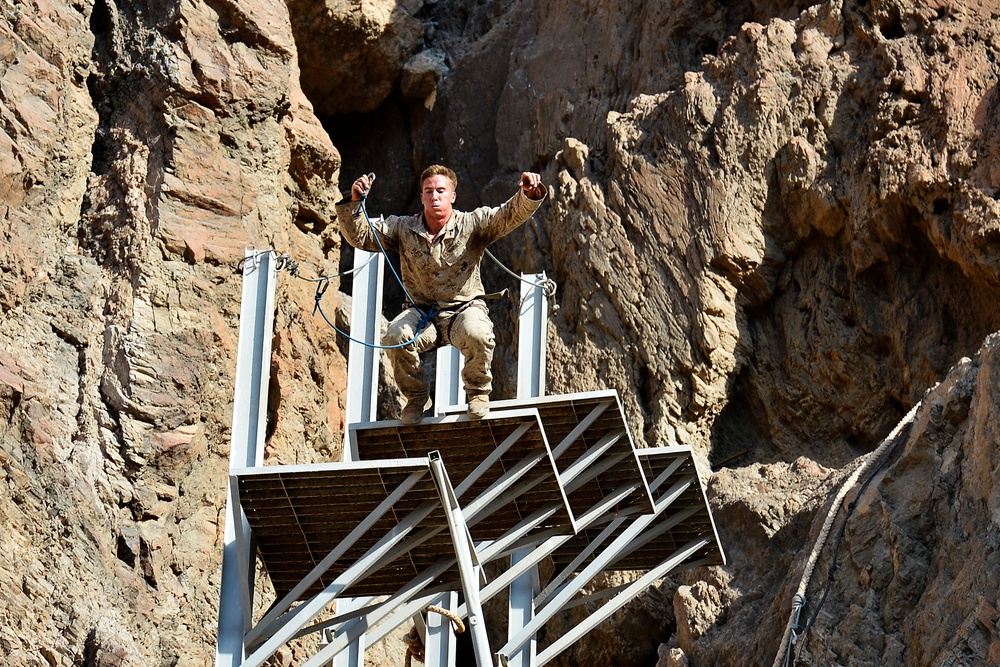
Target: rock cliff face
(907, 576)
(774, 226)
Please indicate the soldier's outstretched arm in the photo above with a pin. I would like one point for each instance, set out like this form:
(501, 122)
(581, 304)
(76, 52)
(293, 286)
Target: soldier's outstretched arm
(355, 227)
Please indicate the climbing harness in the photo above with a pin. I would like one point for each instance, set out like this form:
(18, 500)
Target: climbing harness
(793, 631)
(415, 645)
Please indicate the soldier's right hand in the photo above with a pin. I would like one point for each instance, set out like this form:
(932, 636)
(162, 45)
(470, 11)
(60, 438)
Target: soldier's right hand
(360, 188)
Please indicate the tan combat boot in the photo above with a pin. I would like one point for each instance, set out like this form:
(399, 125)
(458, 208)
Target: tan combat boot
(479, 406)
(414, 410)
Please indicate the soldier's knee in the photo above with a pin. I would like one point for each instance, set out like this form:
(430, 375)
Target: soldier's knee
(478, 335)
(397, 335)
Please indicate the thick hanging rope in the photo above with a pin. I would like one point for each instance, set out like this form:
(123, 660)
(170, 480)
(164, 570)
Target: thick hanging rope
(415, 647)
(793, 631)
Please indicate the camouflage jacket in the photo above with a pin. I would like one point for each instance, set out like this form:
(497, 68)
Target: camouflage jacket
(442, 270)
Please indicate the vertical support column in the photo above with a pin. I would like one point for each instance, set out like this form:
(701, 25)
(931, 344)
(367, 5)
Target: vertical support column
(448, 387)
(532, 324)
(246, 449)
(362, 389)
(439, 639)
(440, 642)
(362, 360)
(531, 329)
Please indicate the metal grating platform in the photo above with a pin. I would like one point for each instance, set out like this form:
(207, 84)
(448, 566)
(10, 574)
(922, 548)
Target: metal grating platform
(505, 476)
(592, 448)
(299, 514)
(679, 533)
(501, 466)
(683, 517)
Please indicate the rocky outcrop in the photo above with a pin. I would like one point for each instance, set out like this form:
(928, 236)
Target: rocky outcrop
(145, 145)
(759, 214)
(352, 51)
(906, 576)
(749, 209)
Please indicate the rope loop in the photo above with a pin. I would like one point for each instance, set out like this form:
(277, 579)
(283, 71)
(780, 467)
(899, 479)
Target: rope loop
(450, 615)
(415, 646)
(284, 262)
(321, 288)
(548, 287)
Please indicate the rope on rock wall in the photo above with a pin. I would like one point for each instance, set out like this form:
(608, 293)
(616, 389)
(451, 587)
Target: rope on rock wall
(415, 647)
(793, 631)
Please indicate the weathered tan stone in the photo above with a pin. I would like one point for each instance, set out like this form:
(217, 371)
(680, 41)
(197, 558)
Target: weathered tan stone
(352, 52)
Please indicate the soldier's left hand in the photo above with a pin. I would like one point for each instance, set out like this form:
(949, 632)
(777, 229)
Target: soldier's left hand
(531, 183)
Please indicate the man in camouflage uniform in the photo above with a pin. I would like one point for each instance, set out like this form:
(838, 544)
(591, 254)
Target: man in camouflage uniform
(440, 251)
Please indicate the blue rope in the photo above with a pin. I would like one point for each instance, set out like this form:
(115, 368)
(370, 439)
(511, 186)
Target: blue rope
(425, 319)
(375, 233)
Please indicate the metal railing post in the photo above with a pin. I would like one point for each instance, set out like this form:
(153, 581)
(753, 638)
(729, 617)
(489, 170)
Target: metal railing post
(246, 449)
(362, 389)
(531, 328)
(363, 361)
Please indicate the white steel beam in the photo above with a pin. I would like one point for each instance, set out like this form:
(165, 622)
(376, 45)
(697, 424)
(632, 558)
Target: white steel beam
(525, 526)
(484, 505)
(286, 602)
(562, 595)
(580, 428)
(397, 609)
(606, 593)
(303, 614)
(362, 382)
(642, 583)
(532, 325)
(253, 364)
(448, 387)
(586, 463)
(439, 640)
(363, 360)
(493, 457)
(487, 500)
(469, 569)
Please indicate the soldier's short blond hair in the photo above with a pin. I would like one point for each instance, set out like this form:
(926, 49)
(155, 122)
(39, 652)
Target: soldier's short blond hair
(438, 170)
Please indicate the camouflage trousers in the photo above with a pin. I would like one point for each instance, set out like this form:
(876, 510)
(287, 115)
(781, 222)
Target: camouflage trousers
(469, 329)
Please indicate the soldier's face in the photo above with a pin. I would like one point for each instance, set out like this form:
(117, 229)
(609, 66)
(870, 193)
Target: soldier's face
(437, 196)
